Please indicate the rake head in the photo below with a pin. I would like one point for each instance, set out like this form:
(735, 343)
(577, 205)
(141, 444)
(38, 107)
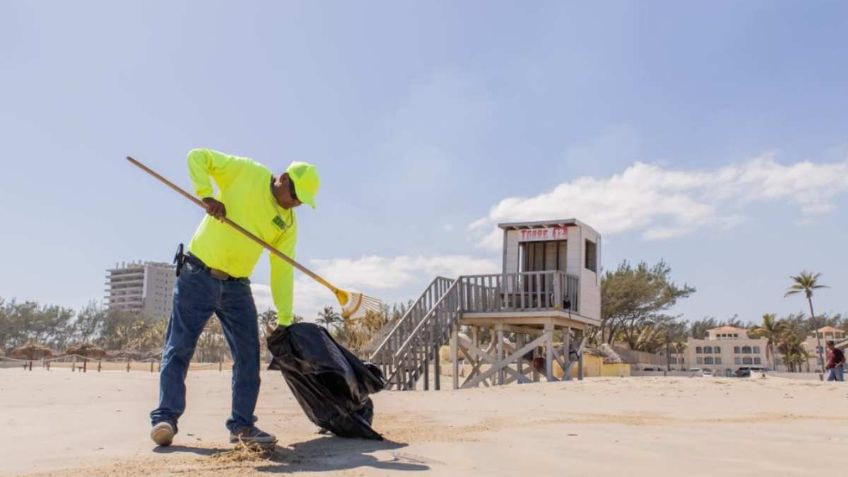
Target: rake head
(356, 305)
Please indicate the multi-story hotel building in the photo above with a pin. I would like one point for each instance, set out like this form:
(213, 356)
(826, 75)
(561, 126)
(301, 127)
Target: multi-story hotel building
(141, 287)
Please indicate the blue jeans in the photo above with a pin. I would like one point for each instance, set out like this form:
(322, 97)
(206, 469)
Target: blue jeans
(197, 296)
(836, 374)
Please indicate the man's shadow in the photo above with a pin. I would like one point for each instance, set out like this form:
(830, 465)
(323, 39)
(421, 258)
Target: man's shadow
(336, 453)
(321, 454)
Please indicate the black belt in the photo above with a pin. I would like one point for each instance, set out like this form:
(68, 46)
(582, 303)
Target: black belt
(214, 272)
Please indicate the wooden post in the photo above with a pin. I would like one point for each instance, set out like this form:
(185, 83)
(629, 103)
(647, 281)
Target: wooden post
(48, 365)
(151, 366)
(519, 343)
(84, 365)
(128, 364)
(99, 364)
(500, 351)
(566, 350)
(454, 355)
(221, 365)
(30, 365)
(580, 367)
(426, 364)
(436, 368)
(549, 351)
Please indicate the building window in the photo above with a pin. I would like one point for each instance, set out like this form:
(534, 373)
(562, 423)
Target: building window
(737, 360)
(747, 360)
(736, 349)
(717, 360)
(708, 350)
(591, 256)
(672, 360)
(708, 360)
(746, 350)
(698, 350)
(756, 350)
(717, 349)
(699, 360)
(757, 360)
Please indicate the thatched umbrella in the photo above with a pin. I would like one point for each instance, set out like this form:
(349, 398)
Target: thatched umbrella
(88, 350)
(132, 354)
(31, 351)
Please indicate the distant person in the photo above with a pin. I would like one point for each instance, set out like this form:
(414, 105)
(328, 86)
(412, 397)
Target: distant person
(215, 280)
(835, 362)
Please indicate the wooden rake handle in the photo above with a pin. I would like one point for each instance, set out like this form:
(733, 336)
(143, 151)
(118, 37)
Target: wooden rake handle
(238, 227)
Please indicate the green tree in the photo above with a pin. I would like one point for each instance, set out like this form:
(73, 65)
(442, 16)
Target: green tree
(633, 301)
(806, 282)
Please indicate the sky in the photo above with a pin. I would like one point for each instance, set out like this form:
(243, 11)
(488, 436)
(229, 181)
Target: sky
(711, 135)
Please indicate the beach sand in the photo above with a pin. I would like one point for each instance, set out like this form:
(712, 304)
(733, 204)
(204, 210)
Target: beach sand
(61, 423)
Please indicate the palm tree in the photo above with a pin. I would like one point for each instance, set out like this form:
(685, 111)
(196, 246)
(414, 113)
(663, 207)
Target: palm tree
(772, 330)
(267, 322)
(807, 282)
(328, 317)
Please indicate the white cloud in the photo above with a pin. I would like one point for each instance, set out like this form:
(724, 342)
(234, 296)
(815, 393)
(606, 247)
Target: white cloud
(391, 273)
(262, 296)
(664, 203)
(388, 278)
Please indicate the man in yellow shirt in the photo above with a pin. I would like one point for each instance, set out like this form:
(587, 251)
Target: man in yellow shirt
(214, 280)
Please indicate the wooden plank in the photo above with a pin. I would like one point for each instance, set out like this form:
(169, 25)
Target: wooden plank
(474, 353)
(506, 361)
(561, 318)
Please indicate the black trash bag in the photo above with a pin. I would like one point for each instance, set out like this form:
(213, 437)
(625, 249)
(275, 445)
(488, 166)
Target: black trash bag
(328, 381)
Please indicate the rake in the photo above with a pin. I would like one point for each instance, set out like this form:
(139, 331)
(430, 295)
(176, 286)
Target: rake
(354, 304)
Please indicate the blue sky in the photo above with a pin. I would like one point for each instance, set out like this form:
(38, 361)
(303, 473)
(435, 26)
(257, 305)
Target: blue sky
(711, 135)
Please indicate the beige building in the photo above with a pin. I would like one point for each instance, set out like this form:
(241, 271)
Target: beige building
(141, 287)
(723, 351)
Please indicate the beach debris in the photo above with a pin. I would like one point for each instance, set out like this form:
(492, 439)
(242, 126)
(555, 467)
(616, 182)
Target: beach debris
(245, 451)
(330, 383)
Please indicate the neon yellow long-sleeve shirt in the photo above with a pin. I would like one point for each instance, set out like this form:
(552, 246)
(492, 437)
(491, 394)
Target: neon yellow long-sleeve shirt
(244, 187)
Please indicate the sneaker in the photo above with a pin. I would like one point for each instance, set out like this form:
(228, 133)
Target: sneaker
(162, 433)
(253, 435)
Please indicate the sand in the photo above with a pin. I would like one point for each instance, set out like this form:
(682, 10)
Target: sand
(61, 423)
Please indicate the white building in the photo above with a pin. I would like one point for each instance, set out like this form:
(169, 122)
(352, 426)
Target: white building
(141, 287)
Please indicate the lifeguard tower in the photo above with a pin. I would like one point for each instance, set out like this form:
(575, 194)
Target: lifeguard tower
(505, 327)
